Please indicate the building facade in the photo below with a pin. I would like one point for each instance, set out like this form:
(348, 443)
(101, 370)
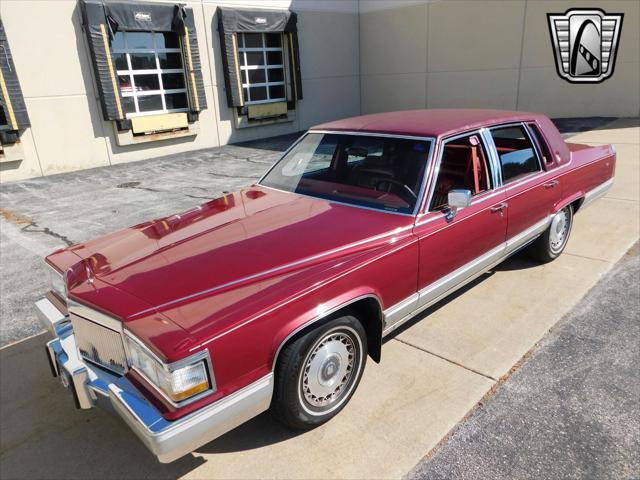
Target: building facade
(92, 83)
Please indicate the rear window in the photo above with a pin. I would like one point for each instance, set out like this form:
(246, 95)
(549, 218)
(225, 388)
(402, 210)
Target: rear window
(516, 152)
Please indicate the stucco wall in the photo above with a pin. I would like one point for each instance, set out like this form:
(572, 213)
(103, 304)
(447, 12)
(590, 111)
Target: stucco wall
(497, 54)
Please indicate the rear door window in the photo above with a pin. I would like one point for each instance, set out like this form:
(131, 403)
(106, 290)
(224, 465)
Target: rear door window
(545, 153)
(516, 152)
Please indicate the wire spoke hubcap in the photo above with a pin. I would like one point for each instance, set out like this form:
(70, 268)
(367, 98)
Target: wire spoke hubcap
(328, 369)
(559, 229)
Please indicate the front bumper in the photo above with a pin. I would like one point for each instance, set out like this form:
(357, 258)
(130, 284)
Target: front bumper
(168, 440)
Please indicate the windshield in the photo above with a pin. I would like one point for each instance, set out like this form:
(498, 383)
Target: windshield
(384, 173)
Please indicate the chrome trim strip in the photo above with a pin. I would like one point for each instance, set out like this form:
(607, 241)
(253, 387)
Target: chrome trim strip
(519, 240)
(373, 134)
(596, 193)
(440, 286)
(401, 309)
(323, 315)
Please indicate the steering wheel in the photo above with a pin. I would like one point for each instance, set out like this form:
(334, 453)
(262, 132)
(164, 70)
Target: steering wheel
(393, 181)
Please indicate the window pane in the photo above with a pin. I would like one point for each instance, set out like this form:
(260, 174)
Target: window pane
(276, 75)
(255, 58)
(143, 61)
(253, 40)
(140, 40)
(256, 76)
(148, 103)
(172, 80)
(245, 93)
(125, 83)
(121, 61)
(274, 58)
(167, 40)
(276, 92)
(387, 175)
(241, 58)
(273, 40)
(146, 82)
(463, 166)
(258, 93)
(170, 60)
(128, 105)
(176, 100)
(118, 41)
(517, 156)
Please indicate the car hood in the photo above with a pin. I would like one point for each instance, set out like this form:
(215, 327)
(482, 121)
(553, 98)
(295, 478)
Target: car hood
(239, 239)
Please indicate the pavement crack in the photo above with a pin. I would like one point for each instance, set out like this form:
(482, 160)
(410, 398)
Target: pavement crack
(29, 224)
(453, 362)
(47, 231)
(223, 175)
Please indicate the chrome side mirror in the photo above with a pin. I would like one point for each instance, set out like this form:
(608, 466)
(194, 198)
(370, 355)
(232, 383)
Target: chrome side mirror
(456, 199)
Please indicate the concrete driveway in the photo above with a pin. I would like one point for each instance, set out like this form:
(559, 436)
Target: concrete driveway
(434, 371)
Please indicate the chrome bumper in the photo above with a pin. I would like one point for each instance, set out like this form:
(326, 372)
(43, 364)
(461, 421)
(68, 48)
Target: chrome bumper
(168, 440)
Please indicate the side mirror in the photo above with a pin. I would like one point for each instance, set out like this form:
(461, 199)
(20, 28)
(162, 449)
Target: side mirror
(459, 198)
(456, 199)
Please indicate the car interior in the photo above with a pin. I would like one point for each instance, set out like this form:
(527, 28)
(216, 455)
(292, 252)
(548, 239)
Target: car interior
(463, 166)
(383, 170)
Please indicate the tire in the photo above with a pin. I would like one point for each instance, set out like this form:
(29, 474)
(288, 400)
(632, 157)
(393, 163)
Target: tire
(551, 243)
(308, 393)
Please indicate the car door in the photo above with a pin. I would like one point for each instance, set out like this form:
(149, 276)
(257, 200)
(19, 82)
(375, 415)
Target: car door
(531, 194)
(455, 248)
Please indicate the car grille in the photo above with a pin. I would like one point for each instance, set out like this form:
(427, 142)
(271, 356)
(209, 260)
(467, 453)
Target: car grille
(100, 345)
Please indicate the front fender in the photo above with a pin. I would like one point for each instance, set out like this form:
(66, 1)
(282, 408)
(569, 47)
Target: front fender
(323, 311)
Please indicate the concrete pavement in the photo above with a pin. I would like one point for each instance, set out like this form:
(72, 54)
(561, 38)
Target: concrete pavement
(573, 409)
(433, 371)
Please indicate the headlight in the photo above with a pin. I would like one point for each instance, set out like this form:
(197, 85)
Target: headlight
(57, 282)
(179, 381)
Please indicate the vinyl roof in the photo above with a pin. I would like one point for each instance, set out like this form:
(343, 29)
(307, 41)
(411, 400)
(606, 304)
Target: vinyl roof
(431, 123)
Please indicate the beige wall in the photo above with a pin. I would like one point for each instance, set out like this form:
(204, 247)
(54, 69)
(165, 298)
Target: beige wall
(486, 54)
(357, 56)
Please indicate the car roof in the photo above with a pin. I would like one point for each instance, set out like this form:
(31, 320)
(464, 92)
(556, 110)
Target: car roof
(426, 123)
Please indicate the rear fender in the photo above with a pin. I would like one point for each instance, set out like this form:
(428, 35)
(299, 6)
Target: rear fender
(567, 201)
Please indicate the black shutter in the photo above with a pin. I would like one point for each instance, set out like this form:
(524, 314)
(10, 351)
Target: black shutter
(13, 110)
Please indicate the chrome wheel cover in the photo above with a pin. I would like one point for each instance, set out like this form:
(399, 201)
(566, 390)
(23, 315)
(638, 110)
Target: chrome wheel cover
(559, 230)
(329, 370)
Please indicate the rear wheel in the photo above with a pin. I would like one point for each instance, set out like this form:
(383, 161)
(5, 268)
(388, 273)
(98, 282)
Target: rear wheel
(317, 373)
(551, 243)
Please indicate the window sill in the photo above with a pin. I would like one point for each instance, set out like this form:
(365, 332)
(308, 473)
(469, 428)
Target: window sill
(242, 121)
(128, 138)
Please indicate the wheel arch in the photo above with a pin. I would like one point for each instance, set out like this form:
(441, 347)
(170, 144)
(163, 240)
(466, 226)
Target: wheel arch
(366, 308)
(575, 201)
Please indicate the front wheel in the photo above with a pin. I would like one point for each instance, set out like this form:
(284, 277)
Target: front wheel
(551, 243)
(317, 373)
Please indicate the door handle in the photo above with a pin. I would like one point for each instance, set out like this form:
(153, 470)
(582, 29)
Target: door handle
(550, 184)
(498, 208)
